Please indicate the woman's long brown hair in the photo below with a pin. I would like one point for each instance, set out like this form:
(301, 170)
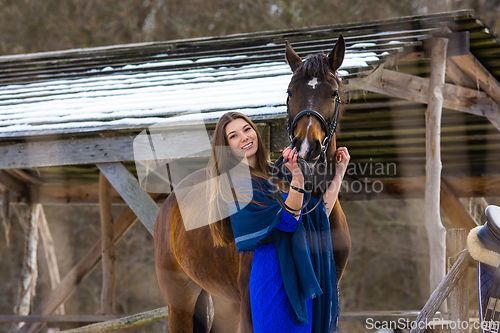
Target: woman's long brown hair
(221, 161)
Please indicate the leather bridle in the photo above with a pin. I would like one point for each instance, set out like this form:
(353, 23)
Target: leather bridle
(328, 128)
(279, 166)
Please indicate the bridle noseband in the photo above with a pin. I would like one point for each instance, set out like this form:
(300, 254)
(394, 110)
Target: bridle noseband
(279, 166)
(329, 128)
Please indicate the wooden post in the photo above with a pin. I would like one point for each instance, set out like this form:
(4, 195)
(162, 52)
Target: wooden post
(50, 252)
(441, 292)
(6, 215)
(456, 241)
(79, 272)
(436, 233)
(265, 133)
(29, 274)
(20, 218)
(108, 247)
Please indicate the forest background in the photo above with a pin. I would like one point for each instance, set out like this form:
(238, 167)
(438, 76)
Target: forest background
(35, 26)
(388, 268)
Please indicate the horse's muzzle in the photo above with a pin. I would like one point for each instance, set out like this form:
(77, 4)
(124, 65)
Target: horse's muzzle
(309, 150)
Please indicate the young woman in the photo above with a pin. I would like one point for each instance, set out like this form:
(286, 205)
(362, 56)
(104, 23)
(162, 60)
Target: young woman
(293, 282)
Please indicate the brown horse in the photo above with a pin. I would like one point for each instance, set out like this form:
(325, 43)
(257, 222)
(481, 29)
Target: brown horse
(188, 263)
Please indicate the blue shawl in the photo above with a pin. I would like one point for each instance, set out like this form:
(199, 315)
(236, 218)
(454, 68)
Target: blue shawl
(304, 276)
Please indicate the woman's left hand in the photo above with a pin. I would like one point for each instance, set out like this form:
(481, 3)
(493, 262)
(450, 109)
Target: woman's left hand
(342, 158)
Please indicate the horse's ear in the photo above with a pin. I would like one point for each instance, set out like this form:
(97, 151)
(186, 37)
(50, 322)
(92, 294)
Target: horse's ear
(292, 58)
(336, 57)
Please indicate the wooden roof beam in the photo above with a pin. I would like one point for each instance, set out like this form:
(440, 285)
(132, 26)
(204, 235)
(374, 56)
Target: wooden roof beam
(415, 88)
(134, 195)
(458, 76)
(13, 184)
(454, 209)
(66, 151)
(487, 82)
(74, 194)
(25, 176)
(355, 189)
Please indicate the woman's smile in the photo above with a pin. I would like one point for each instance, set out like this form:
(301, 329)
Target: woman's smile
(248, 146)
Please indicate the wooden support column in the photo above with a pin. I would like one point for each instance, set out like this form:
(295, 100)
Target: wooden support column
(141, 205)
(29, 273)
(6, 215)
(436, 233)
(108, 248)
(456, 242)
(265, 133)
(20, 218)
(79, 272)
(50, 252)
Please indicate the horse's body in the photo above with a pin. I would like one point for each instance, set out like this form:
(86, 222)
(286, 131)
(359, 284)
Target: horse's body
(187, 262)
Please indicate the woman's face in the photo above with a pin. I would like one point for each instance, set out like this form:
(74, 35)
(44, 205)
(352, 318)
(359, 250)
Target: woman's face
(242, 138)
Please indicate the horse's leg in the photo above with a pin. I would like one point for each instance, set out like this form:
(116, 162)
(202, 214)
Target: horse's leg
(246, 325)
(181, 294)
(179, 291)
(235, 316)
(341, 239)
(226, 316)
(203, 313)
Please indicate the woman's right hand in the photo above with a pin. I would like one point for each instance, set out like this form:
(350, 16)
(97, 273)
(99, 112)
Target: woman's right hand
(295, 198)
(292, 165)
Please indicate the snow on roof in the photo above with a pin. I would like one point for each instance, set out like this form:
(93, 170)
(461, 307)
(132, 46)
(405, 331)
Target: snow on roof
(130, 100)
(139, 99)
(130, 87)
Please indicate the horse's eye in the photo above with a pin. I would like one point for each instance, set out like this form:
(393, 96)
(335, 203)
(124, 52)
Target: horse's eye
(334, 94)
(290, 94)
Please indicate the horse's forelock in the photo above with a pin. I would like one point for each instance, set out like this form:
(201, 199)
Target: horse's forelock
(315, 65)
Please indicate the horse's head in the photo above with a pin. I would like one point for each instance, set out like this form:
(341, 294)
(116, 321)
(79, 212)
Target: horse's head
(313, 96)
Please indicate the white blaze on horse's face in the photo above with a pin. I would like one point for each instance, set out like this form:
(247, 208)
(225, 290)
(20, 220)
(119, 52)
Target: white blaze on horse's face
(313, 83)
(304, 147)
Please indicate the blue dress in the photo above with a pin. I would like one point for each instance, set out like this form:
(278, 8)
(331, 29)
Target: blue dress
(293, 281)
(271, 308)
